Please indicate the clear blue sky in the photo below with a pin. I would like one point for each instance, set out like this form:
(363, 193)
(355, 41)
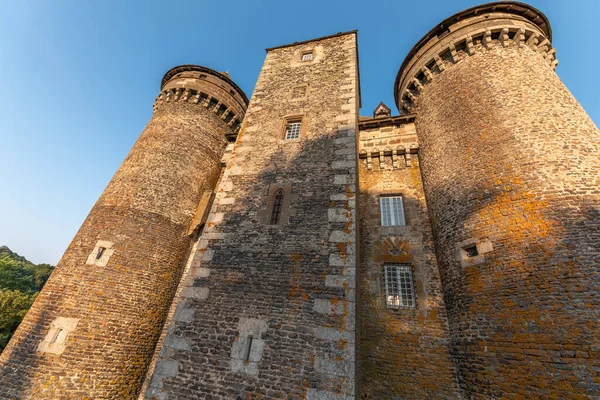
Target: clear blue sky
(78, 79)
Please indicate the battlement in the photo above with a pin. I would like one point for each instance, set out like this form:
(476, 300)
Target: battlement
(448, 252)
(206, 87)
(205, 100)
(478, 29)
(391, 141)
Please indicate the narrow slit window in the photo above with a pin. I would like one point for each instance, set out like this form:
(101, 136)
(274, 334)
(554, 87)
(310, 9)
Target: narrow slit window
(292, 130)
(307, 56)
(100, 253)
(277, 204)
(61, 336)
(55, 335)
(248, 348)
(399, 290)
(392, 211)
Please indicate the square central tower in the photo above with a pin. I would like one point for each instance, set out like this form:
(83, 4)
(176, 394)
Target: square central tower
(267, 305)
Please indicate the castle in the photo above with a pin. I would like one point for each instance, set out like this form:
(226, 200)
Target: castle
(285, 247)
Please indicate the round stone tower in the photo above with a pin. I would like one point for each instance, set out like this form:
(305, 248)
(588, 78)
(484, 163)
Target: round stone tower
(93, 328)
(511, 170)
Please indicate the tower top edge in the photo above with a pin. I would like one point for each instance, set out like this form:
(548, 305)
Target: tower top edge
(191, 67)
(355, 31)
(518, 8)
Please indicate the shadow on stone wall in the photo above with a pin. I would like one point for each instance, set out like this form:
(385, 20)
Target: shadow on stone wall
(275, 273)
(525, 321)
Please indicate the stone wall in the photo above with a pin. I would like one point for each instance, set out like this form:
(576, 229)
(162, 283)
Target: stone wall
(267, 311)
(93, 328)
(401, 353)
(511, 173)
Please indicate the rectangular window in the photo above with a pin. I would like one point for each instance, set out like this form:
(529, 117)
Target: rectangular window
(392, 211)
(292, 130)
(399, 291)
(308, 56)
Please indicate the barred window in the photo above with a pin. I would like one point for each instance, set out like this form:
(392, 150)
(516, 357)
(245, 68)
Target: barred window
(277, 203)
(392, 211)
(307, 56)
(292, 130)
(399, 291)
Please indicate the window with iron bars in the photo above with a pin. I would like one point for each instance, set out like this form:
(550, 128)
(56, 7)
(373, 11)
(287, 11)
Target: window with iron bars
(292, 130)
(399, 290)
(307, 56)
(277, 204)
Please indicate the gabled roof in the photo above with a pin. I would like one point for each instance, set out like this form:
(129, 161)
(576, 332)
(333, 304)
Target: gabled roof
(382, 111)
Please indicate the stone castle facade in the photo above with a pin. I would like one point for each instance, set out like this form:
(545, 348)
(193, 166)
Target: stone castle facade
(285, 247)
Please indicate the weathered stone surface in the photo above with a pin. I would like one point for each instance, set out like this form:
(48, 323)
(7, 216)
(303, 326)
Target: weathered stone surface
(509, 156)
(502, 235)
(402, 353)
(121, 300)
(273, 287)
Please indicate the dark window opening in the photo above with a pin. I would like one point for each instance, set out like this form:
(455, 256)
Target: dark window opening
(248, 348)
(100, 252)
(471, 251)
(277, 204)
(213, 102)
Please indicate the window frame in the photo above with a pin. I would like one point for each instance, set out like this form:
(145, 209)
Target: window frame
(292, 121)
(399, 286)
(277, 208)
(307, 53)
(392, 214)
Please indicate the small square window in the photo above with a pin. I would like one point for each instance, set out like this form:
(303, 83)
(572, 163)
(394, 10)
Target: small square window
(471, 251)
(292, 129)
(392, 211)
(399, 290)
(307, 56)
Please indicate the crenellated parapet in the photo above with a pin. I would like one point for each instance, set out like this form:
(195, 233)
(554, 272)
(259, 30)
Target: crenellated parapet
(387, 143)
(229, 115)
(489, 27)
(210, 89)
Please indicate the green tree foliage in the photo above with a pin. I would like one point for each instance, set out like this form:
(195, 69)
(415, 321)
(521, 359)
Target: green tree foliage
(20, 281)
(14, 306)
